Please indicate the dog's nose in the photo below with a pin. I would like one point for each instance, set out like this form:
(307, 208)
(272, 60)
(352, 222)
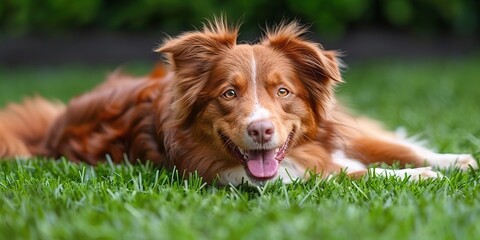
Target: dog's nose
(261, 131)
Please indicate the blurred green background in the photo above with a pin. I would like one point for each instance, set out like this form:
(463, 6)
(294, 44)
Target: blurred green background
(331, 18)
(52, 32)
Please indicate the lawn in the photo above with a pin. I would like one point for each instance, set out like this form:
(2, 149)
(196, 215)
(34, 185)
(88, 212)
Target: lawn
(437, 100)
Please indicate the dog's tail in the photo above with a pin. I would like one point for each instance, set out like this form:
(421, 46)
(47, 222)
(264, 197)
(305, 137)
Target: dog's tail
(24, 126)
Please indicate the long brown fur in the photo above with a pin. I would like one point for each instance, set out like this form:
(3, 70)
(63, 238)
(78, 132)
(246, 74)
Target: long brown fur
(24, 126)
(174, 116)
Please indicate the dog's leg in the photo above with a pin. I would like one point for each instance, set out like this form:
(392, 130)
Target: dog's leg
(367, 141)
(461, 161)
(356, 169)
(371, 150)
(442, 160)
(376, 150)
(413, 174)
(380, 151)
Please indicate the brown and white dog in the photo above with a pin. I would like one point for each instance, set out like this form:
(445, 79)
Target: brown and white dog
(231, 112)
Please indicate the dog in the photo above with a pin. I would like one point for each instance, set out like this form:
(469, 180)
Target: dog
(231, 112)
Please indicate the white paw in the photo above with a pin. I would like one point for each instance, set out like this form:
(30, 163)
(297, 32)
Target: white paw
(416, 174)
(461, 161)
(465, 161)
(413, 174)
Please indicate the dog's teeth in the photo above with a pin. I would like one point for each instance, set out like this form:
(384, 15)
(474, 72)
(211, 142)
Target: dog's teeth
(243, 152)
(276, 150)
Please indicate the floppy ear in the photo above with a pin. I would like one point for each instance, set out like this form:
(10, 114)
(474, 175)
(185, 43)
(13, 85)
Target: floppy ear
(192, 55)
(192, 51)
(317, 68)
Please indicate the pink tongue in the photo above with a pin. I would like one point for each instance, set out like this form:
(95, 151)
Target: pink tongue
(262, 163)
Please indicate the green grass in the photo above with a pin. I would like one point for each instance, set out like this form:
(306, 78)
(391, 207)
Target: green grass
(438, 100)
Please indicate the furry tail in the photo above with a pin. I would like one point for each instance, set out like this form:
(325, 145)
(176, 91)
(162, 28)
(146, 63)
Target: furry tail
(24, 126)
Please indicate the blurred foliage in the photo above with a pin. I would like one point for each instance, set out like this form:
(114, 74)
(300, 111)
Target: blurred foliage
(331, 18)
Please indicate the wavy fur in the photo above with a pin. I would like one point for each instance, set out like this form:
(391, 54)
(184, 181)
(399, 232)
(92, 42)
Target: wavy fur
(198, 114)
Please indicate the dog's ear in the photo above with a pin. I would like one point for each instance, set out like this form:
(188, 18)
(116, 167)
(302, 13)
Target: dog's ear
(317, 68)
(192, 51)
(192, 56)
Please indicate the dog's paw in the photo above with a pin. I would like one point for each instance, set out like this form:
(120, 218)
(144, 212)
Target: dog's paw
(413, 174)
(466, 161)
(416, 174)
(460, 161)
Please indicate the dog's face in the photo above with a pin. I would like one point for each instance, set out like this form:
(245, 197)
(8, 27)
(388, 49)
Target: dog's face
(256, 107)
(252, 102)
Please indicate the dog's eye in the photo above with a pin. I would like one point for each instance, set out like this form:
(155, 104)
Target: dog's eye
(283, 92)
(230, 93)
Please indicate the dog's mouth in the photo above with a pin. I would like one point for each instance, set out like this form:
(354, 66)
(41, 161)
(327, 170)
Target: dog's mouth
(260, 164)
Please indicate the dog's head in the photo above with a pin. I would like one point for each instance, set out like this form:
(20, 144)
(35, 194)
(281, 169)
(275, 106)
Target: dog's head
(252, 102)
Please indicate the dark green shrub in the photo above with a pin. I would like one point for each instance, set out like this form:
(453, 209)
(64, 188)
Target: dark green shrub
(19, 16)
(331, 18)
